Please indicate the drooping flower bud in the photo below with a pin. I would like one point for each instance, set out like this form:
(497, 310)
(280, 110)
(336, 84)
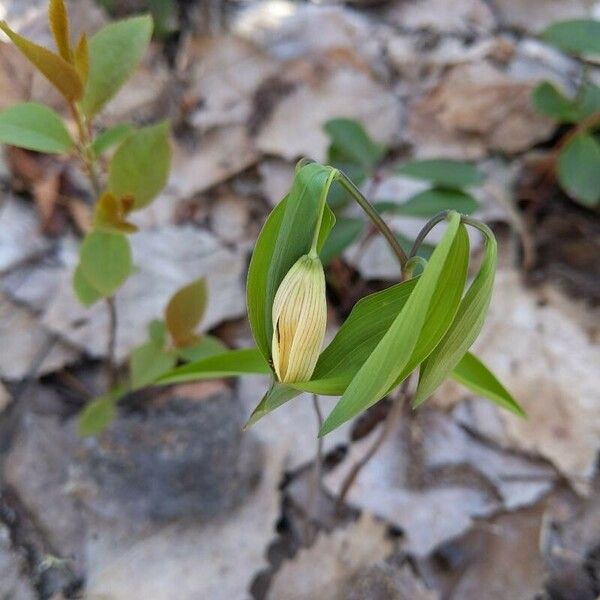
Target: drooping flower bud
(299, 319)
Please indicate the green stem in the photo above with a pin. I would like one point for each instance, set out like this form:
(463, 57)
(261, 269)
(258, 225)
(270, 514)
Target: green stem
(372, 213)
(425, 231)
(322, 202)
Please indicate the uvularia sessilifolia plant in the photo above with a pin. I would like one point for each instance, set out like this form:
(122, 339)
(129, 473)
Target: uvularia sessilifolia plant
(426, 323)
(88, 74)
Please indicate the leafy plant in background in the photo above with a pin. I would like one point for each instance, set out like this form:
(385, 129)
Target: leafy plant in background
(426, 322)
(88, 74)
(576, 157)
(363, 160)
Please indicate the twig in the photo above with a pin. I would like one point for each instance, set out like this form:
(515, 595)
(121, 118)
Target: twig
(388, 427)
(315, 487)
(111, 368)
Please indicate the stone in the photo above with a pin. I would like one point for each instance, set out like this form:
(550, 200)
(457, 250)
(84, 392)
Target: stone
(20, 236)
(230, 219)
(27, 342)
(277, 176)
(387, 582)
(476, 108)
(167, 259)
(14, 585)
(460, 16)
(333, 86)
(185, 456)
(322, 570)
(535, 15)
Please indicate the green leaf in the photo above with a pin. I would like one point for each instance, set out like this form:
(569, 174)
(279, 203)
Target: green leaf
(110, 138)
(147, 363)
(277, 395)
(550, 101)
(58, 19)
(578, 36)
(430, 202)
(97, 415)
(105, 261)
(35, 127)
(115, 52)
(356, 339)
(443, 172)
(185, 311)
(579, 169)
(343, 235)
(228, 364)
(350, 142)
(286, 236)
(474, 375)
(157, 332)
(86, 293)
(464, 329)
(327, 224)
(588, 100)
(140, 167)
(426, 315)
(205, 347)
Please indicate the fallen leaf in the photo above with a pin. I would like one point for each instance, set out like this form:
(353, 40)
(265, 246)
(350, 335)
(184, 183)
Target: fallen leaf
(322, 570)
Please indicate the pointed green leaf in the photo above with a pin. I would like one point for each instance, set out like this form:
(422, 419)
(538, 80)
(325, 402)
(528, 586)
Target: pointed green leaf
(286, 235)
(474, 375)
(579, 36)
(431, 202)
(35, 127)
(105, 261)
(549, 100)
(110, 138)
(277, 395)
(205, 347)
(140, 167)
(115, 52)
(86, 293)
(185, 311)
(350, 142)
(443, 172)
(464, 329)
(228, 364)
(393, 353)
(579, 169)
(97, 415)
(147, 363)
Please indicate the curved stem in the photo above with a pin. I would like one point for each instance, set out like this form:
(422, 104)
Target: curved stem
(111, 369)
(425, 231)
(315, 486)
(387, 233)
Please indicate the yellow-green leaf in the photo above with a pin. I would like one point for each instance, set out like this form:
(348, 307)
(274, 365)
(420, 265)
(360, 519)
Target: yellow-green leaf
(86, 293)
(147, 363)
(111, 214)
(115, 52)
(105, 261)
(97, 415)
(141, 165)
(35, 127)
(58, 20)
(81, 58)
(184, 312)
(55, 68)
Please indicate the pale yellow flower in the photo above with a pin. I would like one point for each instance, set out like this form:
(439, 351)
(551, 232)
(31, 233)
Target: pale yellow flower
(299, 319)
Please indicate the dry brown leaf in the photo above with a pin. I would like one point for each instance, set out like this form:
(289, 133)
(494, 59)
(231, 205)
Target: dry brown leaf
(474, 109)
(321, 570)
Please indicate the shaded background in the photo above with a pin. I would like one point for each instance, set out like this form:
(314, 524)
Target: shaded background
(173, 501)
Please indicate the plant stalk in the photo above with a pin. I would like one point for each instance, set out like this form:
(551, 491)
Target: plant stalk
(315, 486)
(375, 217)
(388, 426)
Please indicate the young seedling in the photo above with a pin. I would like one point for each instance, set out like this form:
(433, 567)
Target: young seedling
(88, 74)
(575, 159)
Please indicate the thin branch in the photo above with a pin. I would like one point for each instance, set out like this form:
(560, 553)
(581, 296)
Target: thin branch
(111, 368)
(388, 426)
(372, 213)
(425, 231)
(315, 487)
